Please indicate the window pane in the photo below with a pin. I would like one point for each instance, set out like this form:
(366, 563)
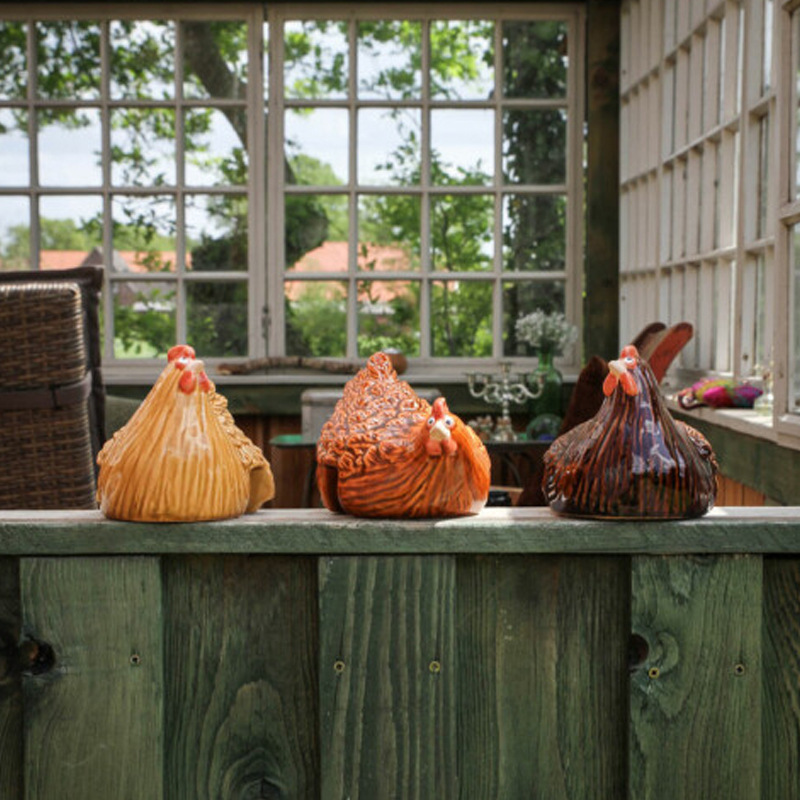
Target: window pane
(462, 59)
(461, 319)
(462, 145)
(68, 56)
(462, 232)
(388, 146)
(142, 146)
(14, 63)
(794, 401)
(142, 59)
(316, 318)
(15, 246)
(215, 152)
(14, 148)
(320, 135)
(224, 75)
(143, 230)
(316, 233)
(388, 317)
(534, 232)
(216, 318)
(763, 177)
(216, 233)
(69, 147)
(535, 59)
(534, 146)
(389, 60)
(316, 62)
(70, 231)
(391, 222)
(521, 298)
(144, 318)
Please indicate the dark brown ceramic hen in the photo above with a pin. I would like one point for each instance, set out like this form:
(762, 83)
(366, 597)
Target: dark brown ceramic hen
(632, 459)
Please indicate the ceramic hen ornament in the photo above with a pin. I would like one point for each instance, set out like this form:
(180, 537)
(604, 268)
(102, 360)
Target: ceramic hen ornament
(632, 459)
(181, 456)
(386, 452)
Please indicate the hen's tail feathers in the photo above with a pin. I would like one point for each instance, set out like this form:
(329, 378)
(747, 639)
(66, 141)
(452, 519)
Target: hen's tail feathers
(661, 350)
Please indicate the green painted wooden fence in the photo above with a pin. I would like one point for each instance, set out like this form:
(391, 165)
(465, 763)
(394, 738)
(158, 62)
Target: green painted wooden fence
(298, 654)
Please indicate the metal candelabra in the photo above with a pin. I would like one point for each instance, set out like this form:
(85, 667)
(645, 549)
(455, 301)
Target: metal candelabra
(503, 389)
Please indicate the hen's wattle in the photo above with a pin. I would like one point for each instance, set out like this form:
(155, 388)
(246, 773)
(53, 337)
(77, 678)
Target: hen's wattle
(632, 459)
(385, 452)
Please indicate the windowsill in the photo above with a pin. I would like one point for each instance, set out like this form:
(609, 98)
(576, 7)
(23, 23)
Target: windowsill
(741, 420)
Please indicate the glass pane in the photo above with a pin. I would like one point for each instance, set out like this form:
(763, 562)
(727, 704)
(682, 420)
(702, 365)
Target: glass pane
(70, 147)
(462, 232)
(766, 69)
(462, 146)
(521, 298)
(388, 146)
(316, 233)
(144, 318)
(68, 60)
(535, 146)
(14, 148)
(142, 59)
(216, 233)
(216, 318)
(142, 146)
(14, 63)
(763, 177)
(316, 318)
(461, 319)
(392, 223)
(389, 60)
(534, 232)
(320, 136)
(15, 245)
(794, 400)
(224, 75)
(462, 59)
(70, 231)
(315, 59)
(143, 230)
(215, 142)
(388, 317)
(535, 59)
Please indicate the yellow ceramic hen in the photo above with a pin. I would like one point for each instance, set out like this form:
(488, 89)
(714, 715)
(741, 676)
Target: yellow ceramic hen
(386, 452)
(181, 457)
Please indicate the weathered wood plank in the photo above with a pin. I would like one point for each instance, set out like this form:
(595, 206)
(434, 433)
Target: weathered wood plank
(93, 723)
(11, 766)
(781, 692)
(695, 698)
(542, 650)
(319, 532)
(387, 678)
(241, 702)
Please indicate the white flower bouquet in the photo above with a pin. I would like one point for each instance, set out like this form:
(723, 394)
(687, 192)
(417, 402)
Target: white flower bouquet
(546, 332)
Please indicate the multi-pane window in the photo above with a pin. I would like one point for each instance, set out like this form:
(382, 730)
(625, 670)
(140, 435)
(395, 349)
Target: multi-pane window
(432, 188)
(281, 182)
(697, 192)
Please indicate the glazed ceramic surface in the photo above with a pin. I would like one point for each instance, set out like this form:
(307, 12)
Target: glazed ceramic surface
(385, 452)
(181, 456)
(632, 459)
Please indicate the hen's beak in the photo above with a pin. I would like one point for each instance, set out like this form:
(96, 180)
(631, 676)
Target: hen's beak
(618, 373)
(439, 432)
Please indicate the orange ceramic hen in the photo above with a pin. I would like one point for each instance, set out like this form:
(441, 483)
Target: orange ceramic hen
(181, 457)
(632, 459)
(385, 452)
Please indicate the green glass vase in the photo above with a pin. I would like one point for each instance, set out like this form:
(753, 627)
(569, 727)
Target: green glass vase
(550, 400)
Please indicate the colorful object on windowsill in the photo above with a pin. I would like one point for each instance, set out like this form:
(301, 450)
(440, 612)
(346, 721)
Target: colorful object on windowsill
(181, 456)
(386, 452)
(632, 459)
(719, 393)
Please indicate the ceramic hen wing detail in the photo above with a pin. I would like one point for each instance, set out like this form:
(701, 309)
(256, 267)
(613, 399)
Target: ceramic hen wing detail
(632, 459)
(386, 452)
(181, 456)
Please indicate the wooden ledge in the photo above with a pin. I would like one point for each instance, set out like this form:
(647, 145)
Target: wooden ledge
(319, 532)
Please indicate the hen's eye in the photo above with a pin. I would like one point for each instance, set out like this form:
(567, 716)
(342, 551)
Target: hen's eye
(449, 421)
(630, 361)
(431, 422)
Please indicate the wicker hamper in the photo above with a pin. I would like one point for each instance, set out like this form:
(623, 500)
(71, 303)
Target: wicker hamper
(46, 449)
